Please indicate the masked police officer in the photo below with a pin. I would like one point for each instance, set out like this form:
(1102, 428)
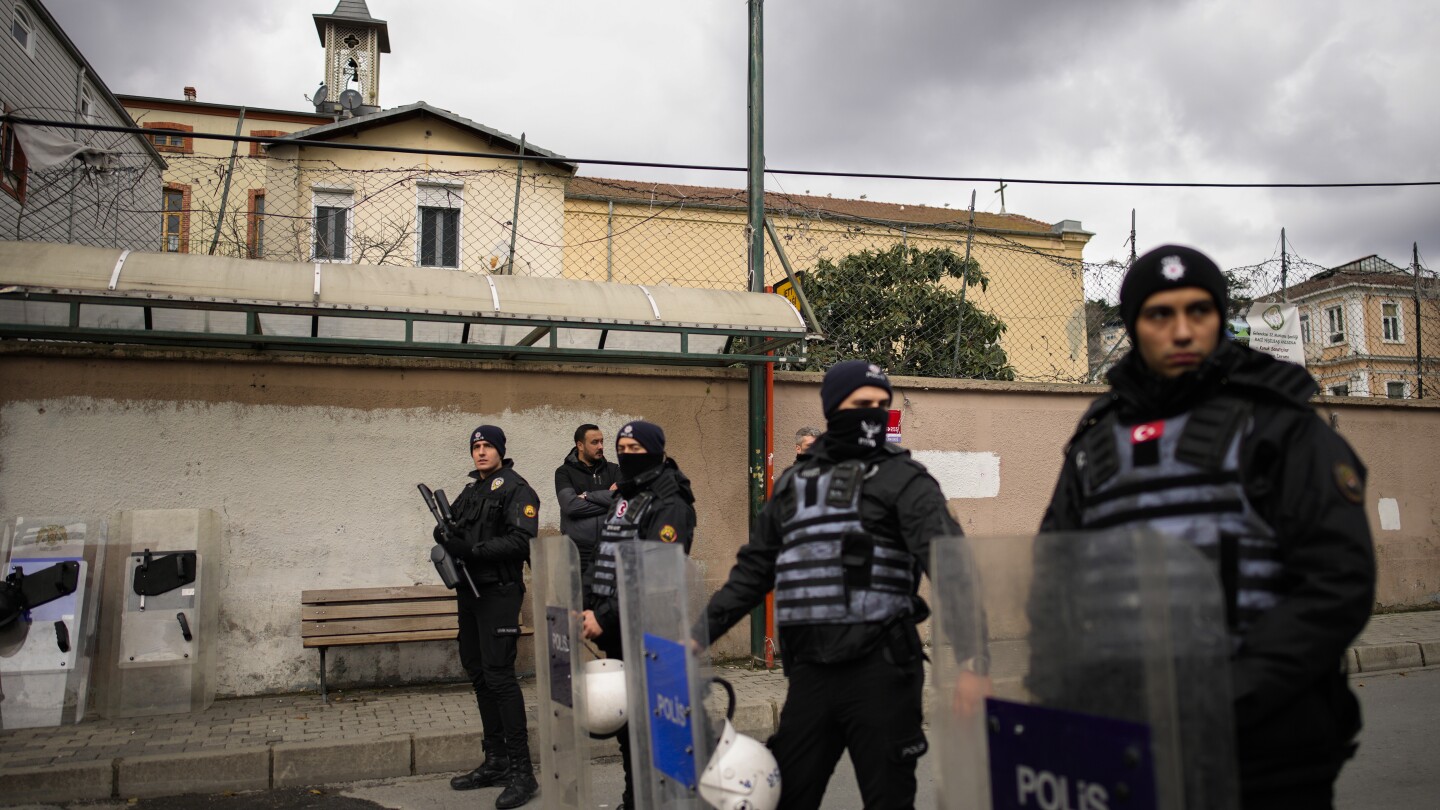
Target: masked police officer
(1215, 443)
(843, 541)
(495, 518)
(654, 502)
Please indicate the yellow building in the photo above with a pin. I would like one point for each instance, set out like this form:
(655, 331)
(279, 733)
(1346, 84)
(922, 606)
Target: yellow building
(649, 233)
(422, 186)
(1359, 327)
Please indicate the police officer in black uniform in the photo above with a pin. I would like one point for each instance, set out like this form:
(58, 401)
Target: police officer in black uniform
(495, 518)
(843, 541)
(654, 502)
(1216, 443)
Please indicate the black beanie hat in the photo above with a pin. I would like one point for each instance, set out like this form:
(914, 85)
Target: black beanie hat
(844, 377)
(648, 434)
(1170, 267)
(490, 433)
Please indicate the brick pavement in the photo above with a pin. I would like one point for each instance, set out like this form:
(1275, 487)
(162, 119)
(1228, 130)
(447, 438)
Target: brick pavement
(446, 716)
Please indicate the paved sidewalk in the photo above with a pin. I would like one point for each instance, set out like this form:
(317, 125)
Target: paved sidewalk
(252, 743)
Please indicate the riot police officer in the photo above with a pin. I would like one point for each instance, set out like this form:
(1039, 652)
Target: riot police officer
(1216, 443)
(842, 541)
(654, 502)
(495, 518)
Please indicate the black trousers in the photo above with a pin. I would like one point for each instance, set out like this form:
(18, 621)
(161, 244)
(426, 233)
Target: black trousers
(871, 706)
(489, 631)
(610, 644)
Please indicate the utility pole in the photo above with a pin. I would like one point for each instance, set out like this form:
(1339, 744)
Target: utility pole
(1419, 358)
(1284, 270)
(755, 164)
(1132, 237)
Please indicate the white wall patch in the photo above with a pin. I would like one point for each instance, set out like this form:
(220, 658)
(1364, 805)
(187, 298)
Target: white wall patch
(962, 474)
(1389, 514)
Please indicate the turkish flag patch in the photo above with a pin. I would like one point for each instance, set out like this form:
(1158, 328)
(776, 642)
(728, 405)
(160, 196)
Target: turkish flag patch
(1148, 432)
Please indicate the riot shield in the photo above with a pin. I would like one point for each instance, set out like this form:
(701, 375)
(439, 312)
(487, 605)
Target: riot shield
(1107, 657)
(46, 654)
(661, 593)
(564, 755)
(162, 605)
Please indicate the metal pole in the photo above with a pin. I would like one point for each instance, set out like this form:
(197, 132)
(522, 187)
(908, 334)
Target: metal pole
(756, 168)
(229, 173)
(610, 243)
(70, 223)
(1419, 362)
(964, 285)
(1132, 237)
(790, 274)
(515, 216)
(1284, 270)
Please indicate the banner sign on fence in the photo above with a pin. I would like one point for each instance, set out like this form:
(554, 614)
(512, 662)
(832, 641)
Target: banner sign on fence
(1275, 328)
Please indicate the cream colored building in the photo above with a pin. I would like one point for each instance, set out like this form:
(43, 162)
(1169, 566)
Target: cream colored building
(455, 196)
(1358, 324)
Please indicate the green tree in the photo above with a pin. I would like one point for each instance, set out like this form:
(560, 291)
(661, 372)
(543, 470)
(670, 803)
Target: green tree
(894, 309)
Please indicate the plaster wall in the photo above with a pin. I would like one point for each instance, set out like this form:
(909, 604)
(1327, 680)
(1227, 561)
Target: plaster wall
(312, 464)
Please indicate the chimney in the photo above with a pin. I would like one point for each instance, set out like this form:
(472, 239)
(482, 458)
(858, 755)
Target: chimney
(189, 94)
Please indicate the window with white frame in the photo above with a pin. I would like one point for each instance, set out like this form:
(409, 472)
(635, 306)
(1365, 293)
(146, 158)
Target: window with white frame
(438, 215)
(1390, 323)
(23, 30)
(1335, 324)
(1304, 329)
(87, 103)
(332, 224)
(1395, 389)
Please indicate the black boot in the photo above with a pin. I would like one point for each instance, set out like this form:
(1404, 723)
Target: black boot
(522, 787)
(495, 770)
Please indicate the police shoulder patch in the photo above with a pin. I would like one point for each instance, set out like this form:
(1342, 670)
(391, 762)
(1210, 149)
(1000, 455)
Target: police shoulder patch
(530, 510)
(1349, 483)
(667, 533)
(496, 484)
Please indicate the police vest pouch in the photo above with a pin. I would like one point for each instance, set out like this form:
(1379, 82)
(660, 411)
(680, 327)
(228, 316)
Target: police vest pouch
(857, 555)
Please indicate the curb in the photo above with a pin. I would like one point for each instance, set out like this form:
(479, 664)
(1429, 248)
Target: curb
(1371, 658)
(291, 764)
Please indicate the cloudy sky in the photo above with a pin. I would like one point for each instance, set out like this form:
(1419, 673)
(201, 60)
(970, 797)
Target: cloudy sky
(1234, 91)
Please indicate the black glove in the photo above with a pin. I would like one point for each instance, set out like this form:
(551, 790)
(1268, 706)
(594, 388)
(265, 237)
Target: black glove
(453, 542)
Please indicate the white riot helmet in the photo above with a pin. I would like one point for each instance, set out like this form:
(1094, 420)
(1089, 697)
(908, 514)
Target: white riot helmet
(604, 697)
(742, 774)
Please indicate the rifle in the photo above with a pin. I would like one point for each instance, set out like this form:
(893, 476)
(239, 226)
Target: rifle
(446, 566)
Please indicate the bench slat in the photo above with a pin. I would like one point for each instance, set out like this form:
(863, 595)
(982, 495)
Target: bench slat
(365, 610)
(381, 638)
(321, 597)
(372, 626)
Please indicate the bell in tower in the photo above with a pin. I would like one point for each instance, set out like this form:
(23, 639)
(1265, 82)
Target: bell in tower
(353, 43)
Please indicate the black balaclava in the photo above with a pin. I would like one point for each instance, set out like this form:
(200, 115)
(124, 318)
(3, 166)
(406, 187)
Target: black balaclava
(854, 431)
(638, 469)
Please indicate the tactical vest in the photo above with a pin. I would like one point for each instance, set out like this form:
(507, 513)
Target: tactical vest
(1181, 476)
(622, 524)
(831, 569)
(480, 515)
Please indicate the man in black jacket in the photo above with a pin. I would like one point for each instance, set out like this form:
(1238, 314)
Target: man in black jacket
(585, 488)
(1216, 444)
(495, 518)
(843, 541)
(655, 503)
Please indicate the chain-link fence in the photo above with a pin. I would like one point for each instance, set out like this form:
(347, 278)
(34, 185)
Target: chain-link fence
(921, 290)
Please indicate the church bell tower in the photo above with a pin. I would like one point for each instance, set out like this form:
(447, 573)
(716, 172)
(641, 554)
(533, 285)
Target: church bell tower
(353, 43)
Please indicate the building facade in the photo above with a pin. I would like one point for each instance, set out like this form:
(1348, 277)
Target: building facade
(61, 184)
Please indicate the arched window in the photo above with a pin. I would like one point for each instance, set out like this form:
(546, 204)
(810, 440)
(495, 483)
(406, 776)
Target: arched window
(23, 30)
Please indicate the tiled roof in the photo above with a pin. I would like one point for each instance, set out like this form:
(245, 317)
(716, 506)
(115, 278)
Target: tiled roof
(633, 191)
(1371, 271)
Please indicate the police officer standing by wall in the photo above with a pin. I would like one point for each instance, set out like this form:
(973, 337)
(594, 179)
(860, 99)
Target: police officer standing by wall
(843, 541)
(1216, 443)
(655, 503)
(495, 518)
(585, 489)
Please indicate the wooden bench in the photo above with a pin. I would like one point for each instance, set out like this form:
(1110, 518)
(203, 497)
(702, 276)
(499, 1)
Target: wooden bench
(348, 617)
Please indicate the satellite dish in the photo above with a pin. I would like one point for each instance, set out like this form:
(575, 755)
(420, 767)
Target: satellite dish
(351, 100)
(321, 95)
